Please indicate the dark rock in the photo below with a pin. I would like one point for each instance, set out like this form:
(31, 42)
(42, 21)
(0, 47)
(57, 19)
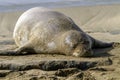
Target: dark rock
(52, 65)
(66, 72)
(4, 73)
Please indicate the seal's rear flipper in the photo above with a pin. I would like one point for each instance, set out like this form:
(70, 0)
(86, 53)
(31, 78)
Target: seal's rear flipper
(96, 44)
(105, 51)
(116, 45)
(101, 52)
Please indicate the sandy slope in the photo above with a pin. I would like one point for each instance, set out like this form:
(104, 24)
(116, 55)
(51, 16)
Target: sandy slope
(101, 22)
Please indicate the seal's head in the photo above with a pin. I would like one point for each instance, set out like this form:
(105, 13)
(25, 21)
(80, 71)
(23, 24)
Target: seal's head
(79, 43)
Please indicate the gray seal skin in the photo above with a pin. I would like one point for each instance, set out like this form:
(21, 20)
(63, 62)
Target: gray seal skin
(41, 30)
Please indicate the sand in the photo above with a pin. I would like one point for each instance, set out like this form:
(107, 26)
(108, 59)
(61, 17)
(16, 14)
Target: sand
(102, 22)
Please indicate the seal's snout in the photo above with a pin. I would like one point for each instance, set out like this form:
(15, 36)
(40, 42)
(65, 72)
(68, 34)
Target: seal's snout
(83, 53)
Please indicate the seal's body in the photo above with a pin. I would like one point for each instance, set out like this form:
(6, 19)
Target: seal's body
(42, 30)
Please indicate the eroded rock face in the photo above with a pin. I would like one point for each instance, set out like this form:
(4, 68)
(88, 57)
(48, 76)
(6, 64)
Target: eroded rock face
(52, 65)
(50, 70)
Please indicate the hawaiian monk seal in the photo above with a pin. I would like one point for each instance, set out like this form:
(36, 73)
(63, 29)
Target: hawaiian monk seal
(41, 30)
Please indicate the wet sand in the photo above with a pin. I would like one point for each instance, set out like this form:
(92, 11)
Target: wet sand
(101, 22)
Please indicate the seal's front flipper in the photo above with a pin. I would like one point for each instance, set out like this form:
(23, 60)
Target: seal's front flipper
(7, 52)
(19, 51)
(25, 49)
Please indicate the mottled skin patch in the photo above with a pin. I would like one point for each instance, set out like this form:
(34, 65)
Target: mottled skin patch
(41, 30)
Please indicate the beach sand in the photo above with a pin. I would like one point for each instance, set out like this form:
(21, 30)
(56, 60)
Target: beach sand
(102, 22)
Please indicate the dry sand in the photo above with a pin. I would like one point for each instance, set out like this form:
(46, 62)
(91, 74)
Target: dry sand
(101, 22)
